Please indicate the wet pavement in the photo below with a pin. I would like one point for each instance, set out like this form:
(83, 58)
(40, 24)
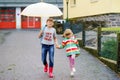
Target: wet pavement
(20, 59)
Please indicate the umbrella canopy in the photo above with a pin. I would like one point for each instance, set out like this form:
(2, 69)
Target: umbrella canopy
(41, 10)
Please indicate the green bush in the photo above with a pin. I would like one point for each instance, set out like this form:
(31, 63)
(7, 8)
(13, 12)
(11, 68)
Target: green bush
(109, 49)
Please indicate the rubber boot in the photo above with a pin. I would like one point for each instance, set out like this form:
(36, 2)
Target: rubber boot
(46, 68)
(51, 72)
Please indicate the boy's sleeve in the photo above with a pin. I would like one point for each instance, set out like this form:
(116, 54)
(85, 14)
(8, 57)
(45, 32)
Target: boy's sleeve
(54, 35)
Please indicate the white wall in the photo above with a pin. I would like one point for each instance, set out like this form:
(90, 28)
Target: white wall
(18, 18)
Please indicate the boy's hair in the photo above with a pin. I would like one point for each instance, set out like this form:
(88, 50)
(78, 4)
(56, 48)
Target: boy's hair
(50, 19)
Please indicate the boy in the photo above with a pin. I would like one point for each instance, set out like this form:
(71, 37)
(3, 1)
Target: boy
(48, 34)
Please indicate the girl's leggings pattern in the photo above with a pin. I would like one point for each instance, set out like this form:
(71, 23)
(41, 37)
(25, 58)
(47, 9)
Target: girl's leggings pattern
(72, 62)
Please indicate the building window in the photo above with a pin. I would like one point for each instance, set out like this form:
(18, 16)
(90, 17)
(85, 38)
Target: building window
(7, 14)
(73, 2)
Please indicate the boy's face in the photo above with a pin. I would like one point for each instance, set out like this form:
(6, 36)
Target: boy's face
(50, 23)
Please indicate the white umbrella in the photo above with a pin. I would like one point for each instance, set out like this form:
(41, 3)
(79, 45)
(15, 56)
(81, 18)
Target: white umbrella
(41, 9)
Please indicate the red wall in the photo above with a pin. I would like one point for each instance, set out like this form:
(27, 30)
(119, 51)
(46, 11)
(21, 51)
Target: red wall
(7, 18)
(7, 25)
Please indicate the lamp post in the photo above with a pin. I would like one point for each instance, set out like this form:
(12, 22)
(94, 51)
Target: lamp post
(67, 2)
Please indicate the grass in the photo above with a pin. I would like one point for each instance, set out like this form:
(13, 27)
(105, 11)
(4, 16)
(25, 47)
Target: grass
(116, 29)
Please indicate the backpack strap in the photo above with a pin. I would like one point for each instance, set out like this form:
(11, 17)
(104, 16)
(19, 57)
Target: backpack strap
(42, 33)
(44, 28)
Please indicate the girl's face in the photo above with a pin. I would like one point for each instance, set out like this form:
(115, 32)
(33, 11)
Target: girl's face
(50, 23)
(69, 36)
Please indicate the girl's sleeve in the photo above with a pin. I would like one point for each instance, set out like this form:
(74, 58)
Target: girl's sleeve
(62, 45)
(76, 42)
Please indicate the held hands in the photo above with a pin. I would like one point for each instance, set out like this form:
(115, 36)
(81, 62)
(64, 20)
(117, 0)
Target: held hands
(57, 46)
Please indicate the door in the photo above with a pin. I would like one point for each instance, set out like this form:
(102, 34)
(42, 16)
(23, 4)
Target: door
(7, 18)
(30, 22)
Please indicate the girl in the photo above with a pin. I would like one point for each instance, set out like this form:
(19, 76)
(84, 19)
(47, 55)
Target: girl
(48, 34)
(71, 45)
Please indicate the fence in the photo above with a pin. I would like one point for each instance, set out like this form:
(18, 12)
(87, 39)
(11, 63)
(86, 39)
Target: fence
(106, 41)
(109, 44)
(91, 38)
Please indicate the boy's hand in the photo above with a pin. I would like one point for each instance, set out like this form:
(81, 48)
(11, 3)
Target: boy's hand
(39, 36)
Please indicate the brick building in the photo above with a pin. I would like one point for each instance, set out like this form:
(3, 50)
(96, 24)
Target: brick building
(106, 11)
(10, 17)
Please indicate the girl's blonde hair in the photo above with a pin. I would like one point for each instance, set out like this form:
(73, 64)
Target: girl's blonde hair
(67, 32)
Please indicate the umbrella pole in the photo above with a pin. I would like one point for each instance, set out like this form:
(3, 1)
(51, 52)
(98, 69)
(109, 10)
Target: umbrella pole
(43, 21)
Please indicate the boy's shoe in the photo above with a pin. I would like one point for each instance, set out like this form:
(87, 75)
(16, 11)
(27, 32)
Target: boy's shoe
(46, 68)
(50, 75)
(73, 69)
(51, 72)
